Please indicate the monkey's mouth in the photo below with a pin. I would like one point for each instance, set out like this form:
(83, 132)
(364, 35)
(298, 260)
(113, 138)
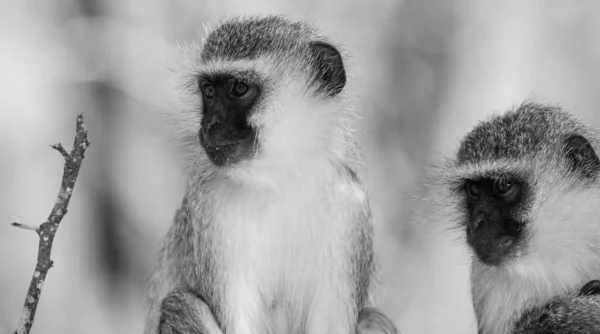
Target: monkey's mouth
(226, 145)
(228, 153)
(491, 248)
(222, 155)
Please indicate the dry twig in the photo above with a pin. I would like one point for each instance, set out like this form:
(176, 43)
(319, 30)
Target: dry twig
(47, 230)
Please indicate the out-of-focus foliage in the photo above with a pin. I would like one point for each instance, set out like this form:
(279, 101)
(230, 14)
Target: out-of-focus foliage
(425, 70)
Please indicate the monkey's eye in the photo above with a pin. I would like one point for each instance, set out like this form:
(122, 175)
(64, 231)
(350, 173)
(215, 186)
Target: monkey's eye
(473, 189)
(503, 187)
(209, 91)
(507, 191)
(239, 89)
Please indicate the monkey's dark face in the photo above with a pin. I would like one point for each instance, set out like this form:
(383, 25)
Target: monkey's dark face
(225, 133)
(493, 228)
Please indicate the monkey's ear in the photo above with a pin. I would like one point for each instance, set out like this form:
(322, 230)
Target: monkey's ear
(591, 288)
(581, 156)
(330, 75)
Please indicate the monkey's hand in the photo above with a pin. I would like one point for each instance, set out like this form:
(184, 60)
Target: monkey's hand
(183, 312)
(373, 321)
(575, 313)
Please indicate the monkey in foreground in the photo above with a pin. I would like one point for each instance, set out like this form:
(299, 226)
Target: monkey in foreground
(525, 188)
(274, 233)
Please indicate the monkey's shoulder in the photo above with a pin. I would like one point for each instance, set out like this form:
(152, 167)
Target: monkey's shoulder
(577, 313)
(591, 288)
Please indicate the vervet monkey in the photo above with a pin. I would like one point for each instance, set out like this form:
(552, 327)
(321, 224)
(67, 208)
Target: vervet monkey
(274, 234)
(525, 188)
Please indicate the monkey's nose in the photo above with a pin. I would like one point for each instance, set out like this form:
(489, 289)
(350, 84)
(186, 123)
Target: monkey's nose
(477, 220)
(476, 224)
(213, 121)
(209, 128)
(474, 227)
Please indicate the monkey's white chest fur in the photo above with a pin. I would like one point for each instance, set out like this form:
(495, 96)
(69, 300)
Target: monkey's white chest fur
(287, 255)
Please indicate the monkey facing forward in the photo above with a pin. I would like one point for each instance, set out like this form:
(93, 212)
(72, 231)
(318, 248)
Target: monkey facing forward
(525, 187)
(274, 233)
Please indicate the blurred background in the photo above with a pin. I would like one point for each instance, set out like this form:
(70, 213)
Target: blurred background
(426, 72)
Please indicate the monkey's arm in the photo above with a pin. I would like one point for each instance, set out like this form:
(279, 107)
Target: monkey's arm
(183, 312)
(372, 321)
(576, 314)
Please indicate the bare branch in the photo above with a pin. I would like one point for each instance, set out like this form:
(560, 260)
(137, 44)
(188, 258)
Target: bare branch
(26, 227)
(47, 230)
(62, 150)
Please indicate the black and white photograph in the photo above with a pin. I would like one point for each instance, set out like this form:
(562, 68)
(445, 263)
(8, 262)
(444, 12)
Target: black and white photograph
(299, 167)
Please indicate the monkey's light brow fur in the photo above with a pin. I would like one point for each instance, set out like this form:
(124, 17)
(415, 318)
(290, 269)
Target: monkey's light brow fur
(281, 242)
(560, 250)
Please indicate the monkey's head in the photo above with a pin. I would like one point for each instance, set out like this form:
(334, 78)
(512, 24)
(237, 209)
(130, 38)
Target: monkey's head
(265, 90)
(528, 193)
